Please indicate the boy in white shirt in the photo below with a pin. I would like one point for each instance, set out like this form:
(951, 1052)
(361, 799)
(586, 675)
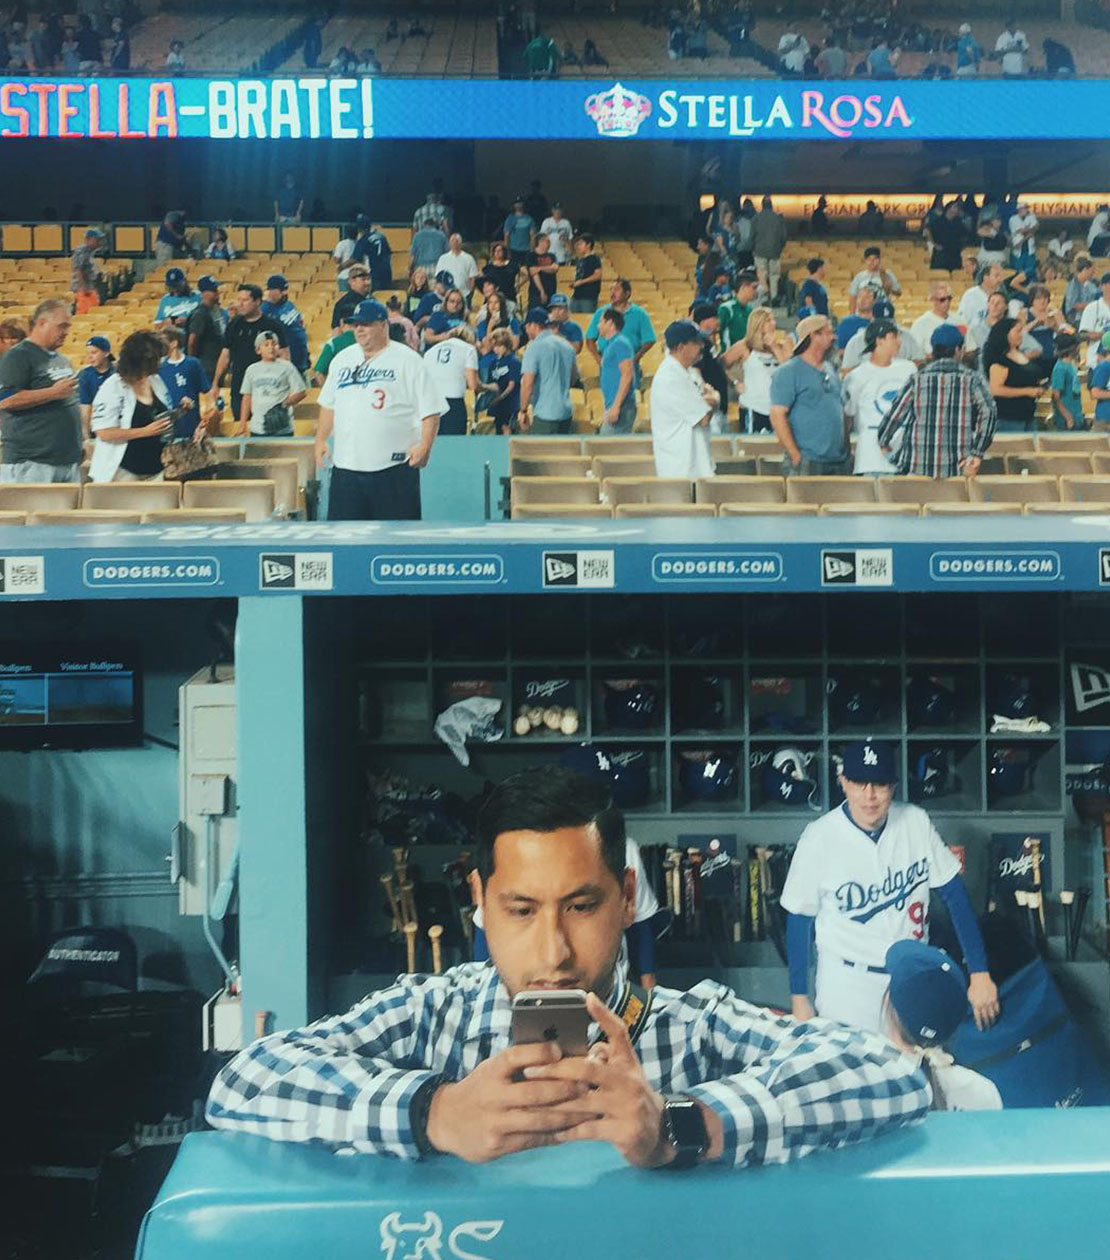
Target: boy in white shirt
(681, 407)
(871, 389)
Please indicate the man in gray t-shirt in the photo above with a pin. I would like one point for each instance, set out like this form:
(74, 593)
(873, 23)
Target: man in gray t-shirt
(548, 370)
(806, 411)
(40, 429)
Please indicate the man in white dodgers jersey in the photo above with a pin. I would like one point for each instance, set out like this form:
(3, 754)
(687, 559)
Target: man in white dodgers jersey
(864, 872)
(384, 409)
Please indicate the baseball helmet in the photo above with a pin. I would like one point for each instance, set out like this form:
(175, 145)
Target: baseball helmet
(698, 704)
(855, 701)
(786, 778)
(929, 775)
(929, 702)
(1011, 696)
(630, 704)
(707, 776)
(588, 760)
(1008, 773)
(630, 775)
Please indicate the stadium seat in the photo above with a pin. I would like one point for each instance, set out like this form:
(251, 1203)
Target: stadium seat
(13, 518)
(757, 444)
(227, 449)
(1068, 508)
(629, 446)
(737, 466)
(1089, 489)
(605, 466)
(971, 509)
(739, 490)
(830, 490)
(553, 490)
(15, 238)
(646, 490)
(129, 238)
(282, 472)
(870, 509)
(303, 450)
(132, 496)
(85, 516)
(1013, 490)
(324, 239)
(1012, 443)
(1094, 443)
(196, 516)
(633, 510)
(261, 239)
(1049, 464)
(548, 511)
(549, 466)
(1100, 464)
(720, 447)
(767, 509)
(770, 465)
(921, 490)
(255, 498)
(46, 238)
(532, 447)
(295, 239)
(40, 497)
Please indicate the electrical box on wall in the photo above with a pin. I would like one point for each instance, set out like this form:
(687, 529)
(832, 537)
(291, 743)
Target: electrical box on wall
(206, 781)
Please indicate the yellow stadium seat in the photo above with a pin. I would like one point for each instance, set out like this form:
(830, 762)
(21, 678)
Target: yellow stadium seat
(1068, 508)
(16, 238)
(1013, 489)
(89, 516)
(625, 446)
(739, 490)
(47, 238)
(830, 490)
(39, 497)
(132, 496)
(549, 466)
(618, 490)
(261, 239)
(1090, 489)
(1094, 443)
(13, 518)
(296, 240)
(301, 449)
(767, 509)
(623, 466)
(1049, 464)
(255, 498)
(129, 238)
(553, 490)
(196, 516)
(971, 509)
(870, 509)
(633, 510)
(324, 239)
(283, 473)
(530, 447)
(919, 490)
(542, 511)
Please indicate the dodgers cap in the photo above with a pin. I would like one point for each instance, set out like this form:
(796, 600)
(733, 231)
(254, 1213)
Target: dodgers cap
(870, 761)
(928, 991)
(368, 312)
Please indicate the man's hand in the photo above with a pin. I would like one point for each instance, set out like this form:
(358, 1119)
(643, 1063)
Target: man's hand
(241, 429)
(419, 455)
(524, 419)
(611, 414)
(186, 403)
(492, 1113)
(61, 388)
(970, 465)
(627, 1112)
(983, 996)
(801, 1007)
(321, 451)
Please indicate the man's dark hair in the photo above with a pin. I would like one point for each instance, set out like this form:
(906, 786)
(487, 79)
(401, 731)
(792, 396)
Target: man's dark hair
(586, 238)
(872, 251)
(626, 285)
(176, 335)
(253, 290)
(945, 352)
(1065, 344)
(746, 277)
(616, 317)
(546, 799)
(814, 265)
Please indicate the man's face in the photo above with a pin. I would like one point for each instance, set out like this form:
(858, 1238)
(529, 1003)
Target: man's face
(688, 353)
(819, 274)
(617, 294)
(993, 278)
(745, 293)
(371, 336)
(711, 325)
(246, 303)
(543, 243)
(1105, 292)
(55, 328)
(210, 297)
(275, 296)
(996, 307)
(554, 913)
(872, 262)
(518, 207)
(360, 284)
(821, 340)
(94, 357)
(865, 302)
(942, 302)
(558, 314)
(1084, 274)
(607, 329)
(868, 803)
(580, 247)
(455, 242)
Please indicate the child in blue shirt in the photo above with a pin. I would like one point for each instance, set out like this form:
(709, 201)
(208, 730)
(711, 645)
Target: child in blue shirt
(1100, 380)
(185, 380)
(1067, 397)
(501, 371)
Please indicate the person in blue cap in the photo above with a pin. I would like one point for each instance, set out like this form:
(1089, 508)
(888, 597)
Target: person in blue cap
(383, 408)
(179, 301)
(100, 366)
(861, 877)
(945, 412)
(277, 305)
(925, 1004)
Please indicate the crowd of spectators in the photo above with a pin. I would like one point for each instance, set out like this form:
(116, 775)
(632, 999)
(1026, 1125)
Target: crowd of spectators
(97, 40)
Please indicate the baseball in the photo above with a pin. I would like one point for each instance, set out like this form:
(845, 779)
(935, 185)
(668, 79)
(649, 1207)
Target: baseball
(522, 726)
(552, 718)
(569, 724)
(535, 717)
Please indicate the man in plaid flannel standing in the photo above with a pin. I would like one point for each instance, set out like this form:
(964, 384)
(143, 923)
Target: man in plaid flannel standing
(945, 412)
(426, 1067)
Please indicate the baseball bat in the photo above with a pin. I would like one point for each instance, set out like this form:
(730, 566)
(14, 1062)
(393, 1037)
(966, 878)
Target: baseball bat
(1035, 852)
(691, 883)
(394, 904)
(737, 902)
(408, 904)
(1082, 897)
(261, 1023)
(1066, 899)
(1036, 911)
(434, 933)
(410, 946)
(753, 901)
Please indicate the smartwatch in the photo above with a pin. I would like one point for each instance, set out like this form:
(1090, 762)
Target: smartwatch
(684, 1128)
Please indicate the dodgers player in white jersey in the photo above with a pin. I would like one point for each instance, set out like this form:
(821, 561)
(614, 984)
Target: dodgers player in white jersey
(384, 410)
(864, 872)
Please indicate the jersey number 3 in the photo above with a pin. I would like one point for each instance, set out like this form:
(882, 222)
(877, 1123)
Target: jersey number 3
(377, 399)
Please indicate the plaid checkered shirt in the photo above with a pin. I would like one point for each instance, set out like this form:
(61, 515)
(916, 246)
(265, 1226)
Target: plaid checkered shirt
(948, 414)
(781, 1088)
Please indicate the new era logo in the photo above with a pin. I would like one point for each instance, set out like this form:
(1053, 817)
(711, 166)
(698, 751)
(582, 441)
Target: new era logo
(1090, 686)
(560, 570)
(278, 571)
(838, 566)
(1104, 567)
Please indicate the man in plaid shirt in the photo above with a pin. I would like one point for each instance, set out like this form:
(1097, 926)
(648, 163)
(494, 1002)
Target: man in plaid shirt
(947, 413)
(426, 1066)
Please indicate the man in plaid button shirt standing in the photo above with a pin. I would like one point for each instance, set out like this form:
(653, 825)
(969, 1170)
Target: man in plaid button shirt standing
(426, 1067)
(947, 414)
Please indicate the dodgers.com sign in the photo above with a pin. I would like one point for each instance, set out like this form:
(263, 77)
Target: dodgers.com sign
(465, 570)
(313, 107)
(716, 566)
(995, 566)
(135, 571)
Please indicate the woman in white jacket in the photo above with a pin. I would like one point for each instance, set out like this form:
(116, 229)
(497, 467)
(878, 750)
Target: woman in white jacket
(130, 414)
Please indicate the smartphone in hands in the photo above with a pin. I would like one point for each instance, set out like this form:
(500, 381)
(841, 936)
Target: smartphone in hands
(541, 1015)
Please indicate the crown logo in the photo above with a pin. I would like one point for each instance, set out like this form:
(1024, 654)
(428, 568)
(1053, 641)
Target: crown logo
(618, 112)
